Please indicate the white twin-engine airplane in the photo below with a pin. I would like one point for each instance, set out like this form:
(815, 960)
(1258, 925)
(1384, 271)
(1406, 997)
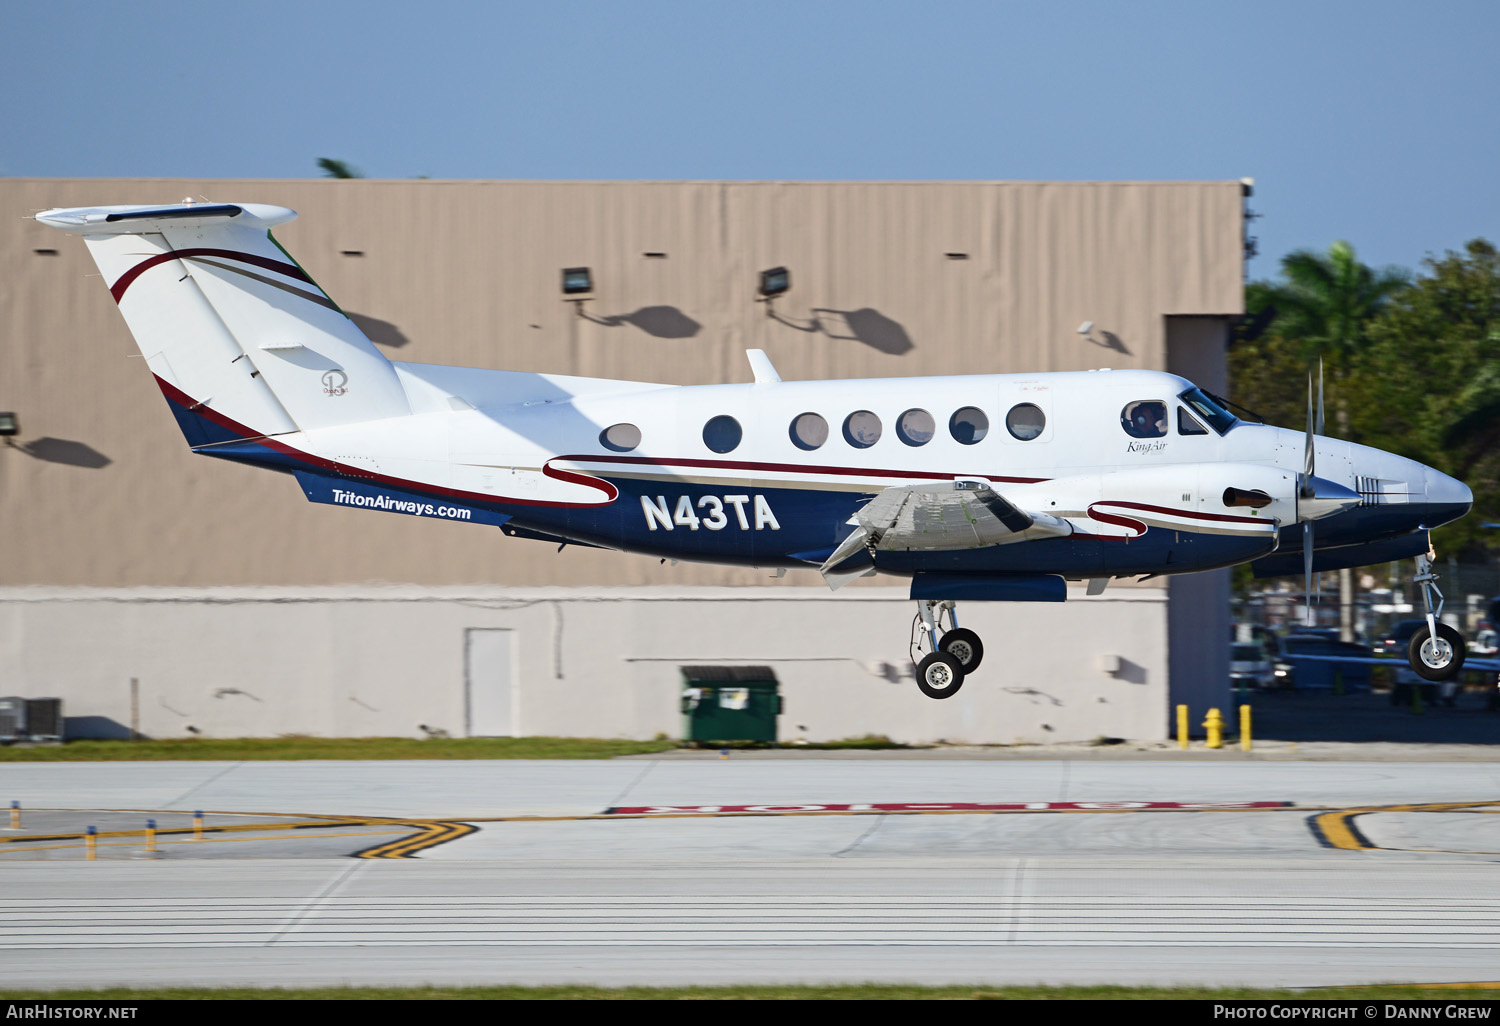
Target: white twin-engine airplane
(988, 487)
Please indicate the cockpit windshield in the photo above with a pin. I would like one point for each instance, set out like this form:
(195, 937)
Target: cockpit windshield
(1218, 418)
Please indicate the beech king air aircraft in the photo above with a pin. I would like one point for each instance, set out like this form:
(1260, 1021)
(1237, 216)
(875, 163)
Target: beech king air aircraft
(986, 487)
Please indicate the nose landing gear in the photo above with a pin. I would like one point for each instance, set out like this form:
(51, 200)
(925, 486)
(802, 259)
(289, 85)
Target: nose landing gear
(952, 653)
(1437, 652)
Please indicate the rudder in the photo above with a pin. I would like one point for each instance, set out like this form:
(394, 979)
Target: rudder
(241, 339)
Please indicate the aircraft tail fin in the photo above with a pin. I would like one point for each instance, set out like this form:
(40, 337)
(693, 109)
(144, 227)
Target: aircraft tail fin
(242, 341)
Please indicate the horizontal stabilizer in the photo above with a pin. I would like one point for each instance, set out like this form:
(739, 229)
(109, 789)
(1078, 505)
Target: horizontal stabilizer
(140, 220)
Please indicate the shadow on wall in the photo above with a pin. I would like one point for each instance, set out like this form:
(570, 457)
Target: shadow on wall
(1105, 340)
(1113, 341)
(656, 321)
(382, 333)
(60, 450)
(865, 325)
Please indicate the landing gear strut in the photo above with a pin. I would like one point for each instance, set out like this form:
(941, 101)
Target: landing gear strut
(1437, 651)
(952, 653)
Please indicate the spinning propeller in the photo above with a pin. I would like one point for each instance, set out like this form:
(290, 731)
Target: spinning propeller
(1316, 497)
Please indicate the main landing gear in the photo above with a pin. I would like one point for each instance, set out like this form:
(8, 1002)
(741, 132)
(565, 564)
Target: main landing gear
(952, 652)
(1440, 659)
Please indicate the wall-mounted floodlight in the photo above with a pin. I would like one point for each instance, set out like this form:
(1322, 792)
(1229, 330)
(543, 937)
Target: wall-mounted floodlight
(577, 286)
(774, 281)
(10, 426)
(1085, 328)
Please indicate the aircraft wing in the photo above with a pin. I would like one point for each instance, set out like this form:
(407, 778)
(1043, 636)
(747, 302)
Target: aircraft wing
(962, 514)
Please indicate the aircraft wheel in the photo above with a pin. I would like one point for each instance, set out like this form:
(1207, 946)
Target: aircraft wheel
(964, 645)
(1440, 661)
(939, 675)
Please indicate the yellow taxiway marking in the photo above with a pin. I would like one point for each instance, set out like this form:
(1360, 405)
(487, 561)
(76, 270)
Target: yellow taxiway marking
(1337, 829)
(21, 852)
(1333, 827)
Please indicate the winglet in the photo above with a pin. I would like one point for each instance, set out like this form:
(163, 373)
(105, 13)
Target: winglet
(760, 366)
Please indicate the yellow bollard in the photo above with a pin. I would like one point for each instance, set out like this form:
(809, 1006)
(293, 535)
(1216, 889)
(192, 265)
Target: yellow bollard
(198, 825)
(151, 835)
(15, 815)
(1182, 737)
(1215, 727)
(89, 843)
(1245, 728)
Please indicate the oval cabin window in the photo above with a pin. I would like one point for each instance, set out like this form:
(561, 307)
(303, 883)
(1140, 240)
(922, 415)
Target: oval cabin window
(915, 427)
(862, 429)
(620, 437)
(722, 434)
(809, 431)
(1025, 421)
(968, 425)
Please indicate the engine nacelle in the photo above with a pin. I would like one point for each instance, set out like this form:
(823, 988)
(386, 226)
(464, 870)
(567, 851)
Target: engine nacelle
(1214, 498)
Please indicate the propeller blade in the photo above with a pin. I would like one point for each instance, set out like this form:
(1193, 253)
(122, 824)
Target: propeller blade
(1307, 561)
(1311, 447)
(1320, 396)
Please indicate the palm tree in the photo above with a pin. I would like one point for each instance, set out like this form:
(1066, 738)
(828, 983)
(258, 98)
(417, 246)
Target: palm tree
(1329, 299)
(338, 168)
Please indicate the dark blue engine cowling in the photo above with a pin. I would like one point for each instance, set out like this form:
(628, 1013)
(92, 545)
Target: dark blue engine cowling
(1287, 563)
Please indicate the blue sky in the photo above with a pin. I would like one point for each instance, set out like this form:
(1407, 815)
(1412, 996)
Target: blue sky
(1371, 121)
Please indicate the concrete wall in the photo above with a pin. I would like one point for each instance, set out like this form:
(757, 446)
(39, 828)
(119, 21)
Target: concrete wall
(584, 662)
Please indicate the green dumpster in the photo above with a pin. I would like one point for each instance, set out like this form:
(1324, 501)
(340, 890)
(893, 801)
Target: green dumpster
(729, 703)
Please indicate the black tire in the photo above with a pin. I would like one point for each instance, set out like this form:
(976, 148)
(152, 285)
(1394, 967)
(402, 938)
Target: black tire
(939, 675)
(1442, 664)
(964, 645)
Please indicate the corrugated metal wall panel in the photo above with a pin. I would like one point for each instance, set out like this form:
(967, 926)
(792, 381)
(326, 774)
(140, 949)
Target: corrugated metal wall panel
(104, 491)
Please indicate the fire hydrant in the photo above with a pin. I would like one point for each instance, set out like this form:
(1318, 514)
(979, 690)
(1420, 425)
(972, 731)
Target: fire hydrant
(1215, 727)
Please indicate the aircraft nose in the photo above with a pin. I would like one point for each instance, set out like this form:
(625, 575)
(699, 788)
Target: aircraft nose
(1447, 491)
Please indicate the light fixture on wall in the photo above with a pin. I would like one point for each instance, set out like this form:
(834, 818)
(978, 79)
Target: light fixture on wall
(774, 281)
(577, 286)
(10, 426)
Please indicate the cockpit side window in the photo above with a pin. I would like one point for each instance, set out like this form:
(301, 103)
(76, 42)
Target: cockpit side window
(1144, 418)
(1187, 424)
(1218, 418)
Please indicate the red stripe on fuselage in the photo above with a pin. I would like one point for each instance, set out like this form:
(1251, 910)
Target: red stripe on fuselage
(1192, 514)
(792, 468)
(125, 280)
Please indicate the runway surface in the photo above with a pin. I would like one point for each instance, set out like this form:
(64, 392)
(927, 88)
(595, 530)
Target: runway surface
(695, 869)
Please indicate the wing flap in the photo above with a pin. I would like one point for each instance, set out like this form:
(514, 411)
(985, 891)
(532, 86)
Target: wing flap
(960, 514)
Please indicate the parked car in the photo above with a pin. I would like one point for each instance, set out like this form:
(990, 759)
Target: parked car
(1250, 668)
(1317, 661)
(1394, 642)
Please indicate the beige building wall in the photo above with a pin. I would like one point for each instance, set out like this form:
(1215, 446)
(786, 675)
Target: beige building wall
(241, 609)
(889, 279)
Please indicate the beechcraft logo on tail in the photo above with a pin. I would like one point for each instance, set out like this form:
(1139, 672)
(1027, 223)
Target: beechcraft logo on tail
(335, 382)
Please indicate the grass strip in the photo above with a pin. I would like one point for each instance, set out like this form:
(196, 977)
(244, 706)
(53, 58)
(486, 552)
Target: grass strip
(355, 748)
